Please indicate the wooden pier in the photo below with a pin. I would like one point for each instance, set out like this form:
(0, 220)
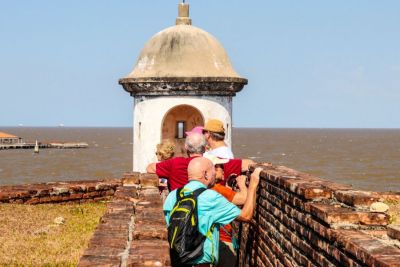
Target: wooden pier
(44, 145)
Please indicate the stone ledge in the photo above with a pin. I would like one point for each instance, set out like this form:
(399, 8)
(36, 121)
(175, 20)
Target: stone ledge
(394, 231)
(356, 198)
(306, 217)
(132, 232)
(59, 192)
(334, 214)
(367, 249)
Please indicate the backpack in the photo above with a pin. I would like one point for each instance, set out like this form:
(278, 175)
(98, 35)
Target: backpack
(185, 240)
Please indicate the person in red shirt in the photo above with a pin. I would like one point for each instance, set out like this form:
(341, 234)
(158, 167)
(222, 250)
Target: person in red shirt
(175, 169)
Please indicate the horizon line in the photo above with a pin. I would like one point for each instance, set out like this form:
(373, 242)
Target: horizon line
(242, 127)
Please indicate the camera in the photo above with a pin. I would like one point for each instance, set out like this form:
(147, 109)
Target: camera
(232, 182)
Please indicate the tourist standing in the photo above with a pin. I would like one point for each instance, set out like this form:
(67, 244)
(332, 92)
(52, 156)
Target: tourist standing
(214, 133)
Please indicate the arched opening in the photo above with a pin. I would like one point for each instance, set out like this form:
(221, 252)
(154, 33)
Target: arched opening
(177, 121)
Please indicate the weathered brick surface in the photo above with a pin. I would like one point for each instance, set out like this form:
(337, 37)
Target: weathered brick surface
(334, 214)
(132, 232)
(59, 192)
(394, 231)
(299, 220)
(302, 220)
(143, 253)
(357, 198)
(149, 180)
(131, 178)
(103, 261)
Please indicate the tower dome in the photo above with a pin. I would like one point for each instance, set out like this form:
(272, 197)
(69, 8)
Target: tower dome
(183, 53)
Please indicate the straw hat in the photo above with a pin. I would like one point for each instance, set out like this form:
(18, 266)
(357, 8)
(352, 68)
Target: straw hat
(215, 126)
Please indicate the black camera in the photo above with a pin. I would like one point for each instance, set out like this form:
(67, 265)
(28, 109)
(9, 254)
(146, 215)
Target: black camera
(232, 182)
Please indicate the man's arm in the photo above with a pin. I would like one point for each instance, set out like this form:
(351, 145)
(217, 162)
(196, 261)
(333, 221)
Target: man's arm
(240, 197)
(248, 209)
(246, 164)
(151, 168)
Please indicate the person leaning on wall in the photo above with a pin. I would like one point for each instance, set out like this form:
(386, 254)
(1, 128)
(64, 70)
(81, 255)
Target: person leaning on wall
(212, 208)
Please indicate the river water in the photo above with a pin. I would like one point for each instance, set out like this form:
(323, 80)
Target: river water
(366, 158)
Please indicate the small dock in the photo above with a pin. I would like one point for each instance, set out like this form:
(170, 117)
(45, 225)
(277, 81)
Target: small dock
(64, 145)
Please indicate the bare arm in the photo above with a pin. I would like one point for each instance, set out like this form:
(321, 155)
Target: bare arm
(246, 164)
(151, 168)
(240, 197)
(248, 209)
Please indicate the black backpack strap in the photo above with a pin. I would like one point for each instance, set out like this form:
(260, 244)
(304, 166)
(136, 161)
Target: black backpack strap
(195, 193)
(178, 194)
(198, 191)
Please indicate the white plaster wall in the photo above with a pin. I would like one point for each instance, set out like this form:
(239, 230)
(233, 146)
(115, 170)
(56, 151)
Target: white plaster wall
(149, 113)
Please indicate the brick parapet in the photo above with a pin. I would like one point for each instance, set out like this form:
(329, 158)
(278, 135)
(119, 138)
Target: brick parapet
(56, 192)
(302, 220)
(299, 220)
(132, 232)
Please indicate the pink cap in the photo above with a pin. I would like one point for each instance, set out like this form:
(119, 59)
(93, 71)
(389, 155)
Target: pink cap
(197, 129)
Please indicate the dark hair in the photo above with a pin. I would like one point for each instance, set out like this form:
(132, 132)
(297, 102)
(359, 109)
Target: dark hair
(217, 136)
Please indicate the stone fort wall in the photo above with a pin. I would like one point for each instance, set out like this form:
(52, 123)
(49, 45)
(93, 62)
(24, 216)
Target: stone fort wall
(300, 220)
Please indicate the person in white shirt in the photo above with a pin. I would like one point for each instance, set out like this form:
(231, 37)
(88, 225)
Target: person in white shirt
(214, 133)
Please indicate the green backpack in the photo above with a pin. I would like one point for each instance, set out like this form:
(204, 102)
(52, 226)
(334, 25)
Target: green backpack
(185, 240)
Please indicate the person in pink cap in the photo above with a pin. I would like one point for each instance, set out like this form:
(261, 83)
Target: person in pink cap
(197, 129)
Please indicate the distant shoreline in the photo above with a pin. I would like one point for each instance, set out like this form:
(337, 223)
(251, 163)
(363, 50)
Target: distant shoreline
(271, 128)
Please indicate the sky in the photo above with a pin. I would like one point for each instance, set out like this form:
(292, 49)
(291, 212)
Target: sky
(310, 63)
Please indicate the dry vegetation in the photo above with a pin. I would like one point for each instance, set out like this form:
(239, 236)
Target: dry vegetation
(394, 211)
(30, 235)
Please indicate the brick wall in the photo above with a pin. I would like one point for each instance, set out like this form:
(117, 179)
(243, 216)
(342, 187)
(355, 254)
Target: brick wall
(76, 191)
(132, 232)
(301, 220)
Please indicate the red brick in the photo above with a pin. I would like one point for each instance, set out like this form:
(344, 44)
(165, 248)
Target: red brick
(99, 261)
(149, 180)
(367, 249)
(145, 231)
(131, 179)
(393, 231)
(332, 214)
(356, 198)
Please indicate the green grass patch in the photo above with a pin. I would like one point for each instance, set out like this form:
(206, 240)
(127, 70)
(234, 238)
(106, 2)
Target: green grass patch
(30, 235)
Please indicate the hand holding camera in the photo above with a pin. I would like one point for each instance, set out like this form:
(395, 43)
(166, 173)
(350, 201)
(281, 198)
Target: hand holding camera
(255, 177)
(237, 182)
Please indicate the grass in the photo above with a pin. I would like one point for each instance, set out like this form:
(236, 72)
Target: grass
(29, 235)
(394, 211)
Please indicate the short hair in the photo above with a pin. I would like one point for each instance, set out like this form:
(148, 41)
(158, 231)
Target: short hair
(166, 149)
(195, 143)
(217, 136)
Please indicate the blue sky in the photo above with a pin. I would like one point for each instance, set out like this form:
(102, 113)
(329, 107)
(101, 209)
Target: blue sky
(310, 63)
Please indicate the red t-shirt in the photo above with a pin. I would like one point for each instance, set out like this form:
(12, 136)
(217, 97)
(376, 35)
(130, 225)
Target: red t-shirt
(229, 195)
(233, 166)
(175, 171)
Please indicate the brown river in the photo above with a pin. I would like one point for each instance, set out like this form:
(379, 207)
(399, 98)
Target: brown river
(366, 158)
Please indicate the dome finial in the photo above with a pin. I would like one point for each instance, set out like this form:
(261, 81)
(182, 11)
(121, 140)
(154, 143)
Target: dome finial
(183, 14)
